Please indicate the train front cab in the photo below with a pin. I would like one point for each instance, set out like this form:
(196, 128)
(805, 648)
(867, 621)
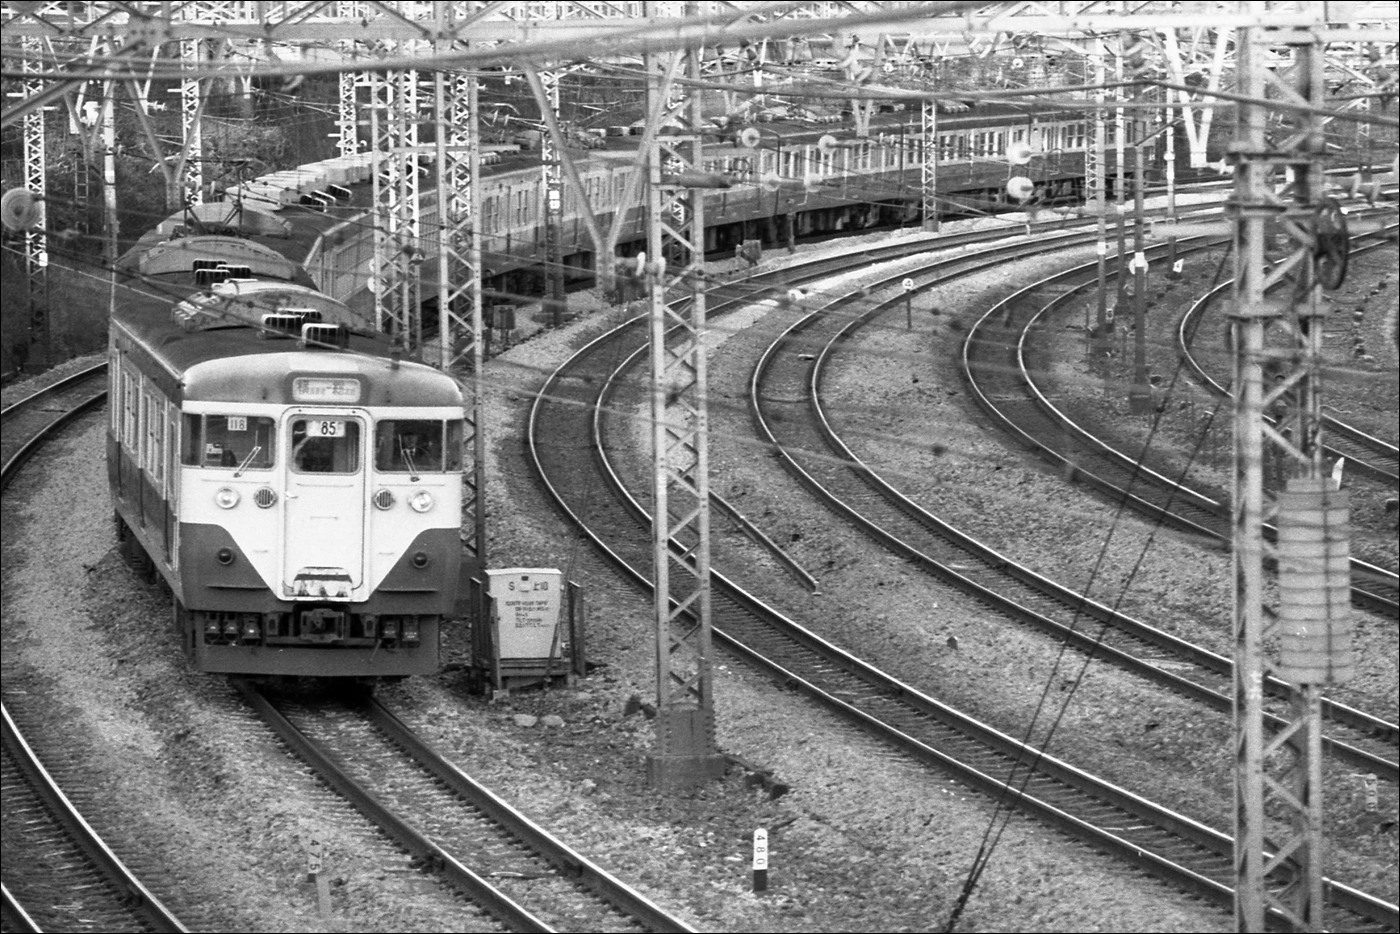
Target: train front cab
(319, 540)
(312, 539)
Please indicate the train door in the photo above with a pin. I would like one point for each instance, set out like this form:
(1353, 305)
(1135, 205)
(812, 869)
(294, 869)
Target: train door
(324, 519)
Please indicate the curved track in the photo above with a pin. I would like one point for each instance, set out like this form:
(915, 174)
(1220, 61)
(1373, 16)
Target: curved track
(502, 861)
(59, 873)
(569, 453)
(995, 367)
(787, 404)
(1366, 454)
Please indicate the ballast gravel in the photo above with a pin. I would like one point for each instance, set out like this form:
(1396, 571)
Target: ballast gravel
(860, 839)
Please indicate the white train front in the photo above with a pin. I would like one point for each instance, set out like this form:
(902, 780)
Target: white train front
(297, 485)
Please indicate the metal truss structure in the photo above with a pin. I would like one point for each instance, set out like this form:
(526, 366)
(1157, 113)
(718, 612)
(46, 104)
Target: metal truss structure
(461, 320)
(191, 109)
(674, 270)
(36, 243)
(382, 50)
(393, 119)
(551, 161)
(928, 167)
(1278, 331)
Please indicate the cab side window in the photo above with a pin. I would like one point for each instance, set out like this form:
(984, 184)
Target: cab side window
(409, 446)
(229, 441)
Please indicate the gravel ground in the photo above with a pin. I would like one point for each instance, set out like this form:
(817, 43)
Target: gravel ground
(860, 840)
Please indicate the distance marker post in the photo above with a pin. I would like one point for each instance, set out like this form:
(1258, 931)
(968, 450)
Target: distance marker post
(315, 868)
(760, 860)
(908, 304)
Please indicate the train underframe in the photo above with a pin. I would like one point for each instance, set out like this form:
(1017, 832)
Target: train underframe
(298, 640)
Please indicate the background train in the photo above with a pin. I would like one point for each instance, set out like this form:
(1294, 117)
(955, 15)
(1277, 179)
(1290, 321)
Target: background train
(295, 483)
(803, 176)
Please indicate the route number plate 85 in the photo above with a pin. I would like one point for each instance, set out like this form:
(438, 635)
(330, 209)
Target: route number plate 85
(327, 429)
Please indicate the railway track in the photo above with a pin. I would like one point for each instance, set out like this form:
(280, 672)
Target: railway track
(786, 400)
(503, 862)
(37, 417)
(1367, 455)
(570, 454)
(995, 367)
(59, 873)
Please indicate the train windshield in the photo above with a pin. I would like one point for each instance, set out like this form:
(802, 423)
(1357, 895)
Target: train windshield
(415, 446)
(325, 445)
(238, 442)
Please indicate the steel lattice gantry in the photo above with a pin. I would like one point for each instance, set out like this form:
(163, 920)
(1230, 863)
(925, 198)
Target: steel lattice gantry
(1278, 333)
(460, 314)
(928, 165)
(36, 243)
(673, 266)
(191, 108)
(393, 120)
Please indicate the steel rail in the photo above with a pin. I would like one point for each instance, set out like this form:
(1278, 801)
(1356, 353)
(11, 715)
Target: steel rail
(1387, 473)
(1002, 565)
(1373, 587)
(871, 686)
(16, 918)
(573, 864)
(135, 898)
(400, 831)
(1212, 512)
(34, 439)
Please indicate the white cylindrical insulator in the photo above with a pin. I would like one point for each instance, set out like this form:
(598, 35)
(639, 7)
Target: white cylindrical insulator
(1314, 583)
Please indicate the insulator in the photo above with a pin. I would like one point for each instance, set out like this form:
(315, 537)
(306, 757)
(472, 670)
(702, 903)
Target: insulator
(1314, 582)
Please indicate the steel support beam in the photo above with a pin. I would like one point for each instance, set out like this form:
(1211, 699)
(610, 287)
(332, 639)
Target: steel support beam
(36, 238)
(928, 163)
(551, 156)
(1278, 331)
(393, 112)
(673, 266)
(191, 158)
(1096, 184)
(460, 313)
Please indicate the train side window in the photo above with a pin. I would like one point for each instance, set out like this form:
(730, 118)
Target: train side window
(155, 438)
(192, 440)
(172, 447)
(131, 414)
(325, 445)
(409, 446)
(455, 434)
(114, 384)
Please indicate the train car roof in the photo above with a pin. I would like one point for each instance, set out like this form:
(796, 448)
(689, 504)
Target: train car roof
(242, 363)
(227, 230)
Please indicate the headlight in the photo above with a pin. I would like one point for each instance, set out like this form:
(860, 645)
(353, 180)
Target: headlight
(421, 501)
(227, 497)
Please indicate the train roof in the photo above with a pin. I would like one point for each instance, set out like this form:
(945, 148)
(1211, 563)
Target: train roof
(278, 242)
(796, 123)
(244, 363)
